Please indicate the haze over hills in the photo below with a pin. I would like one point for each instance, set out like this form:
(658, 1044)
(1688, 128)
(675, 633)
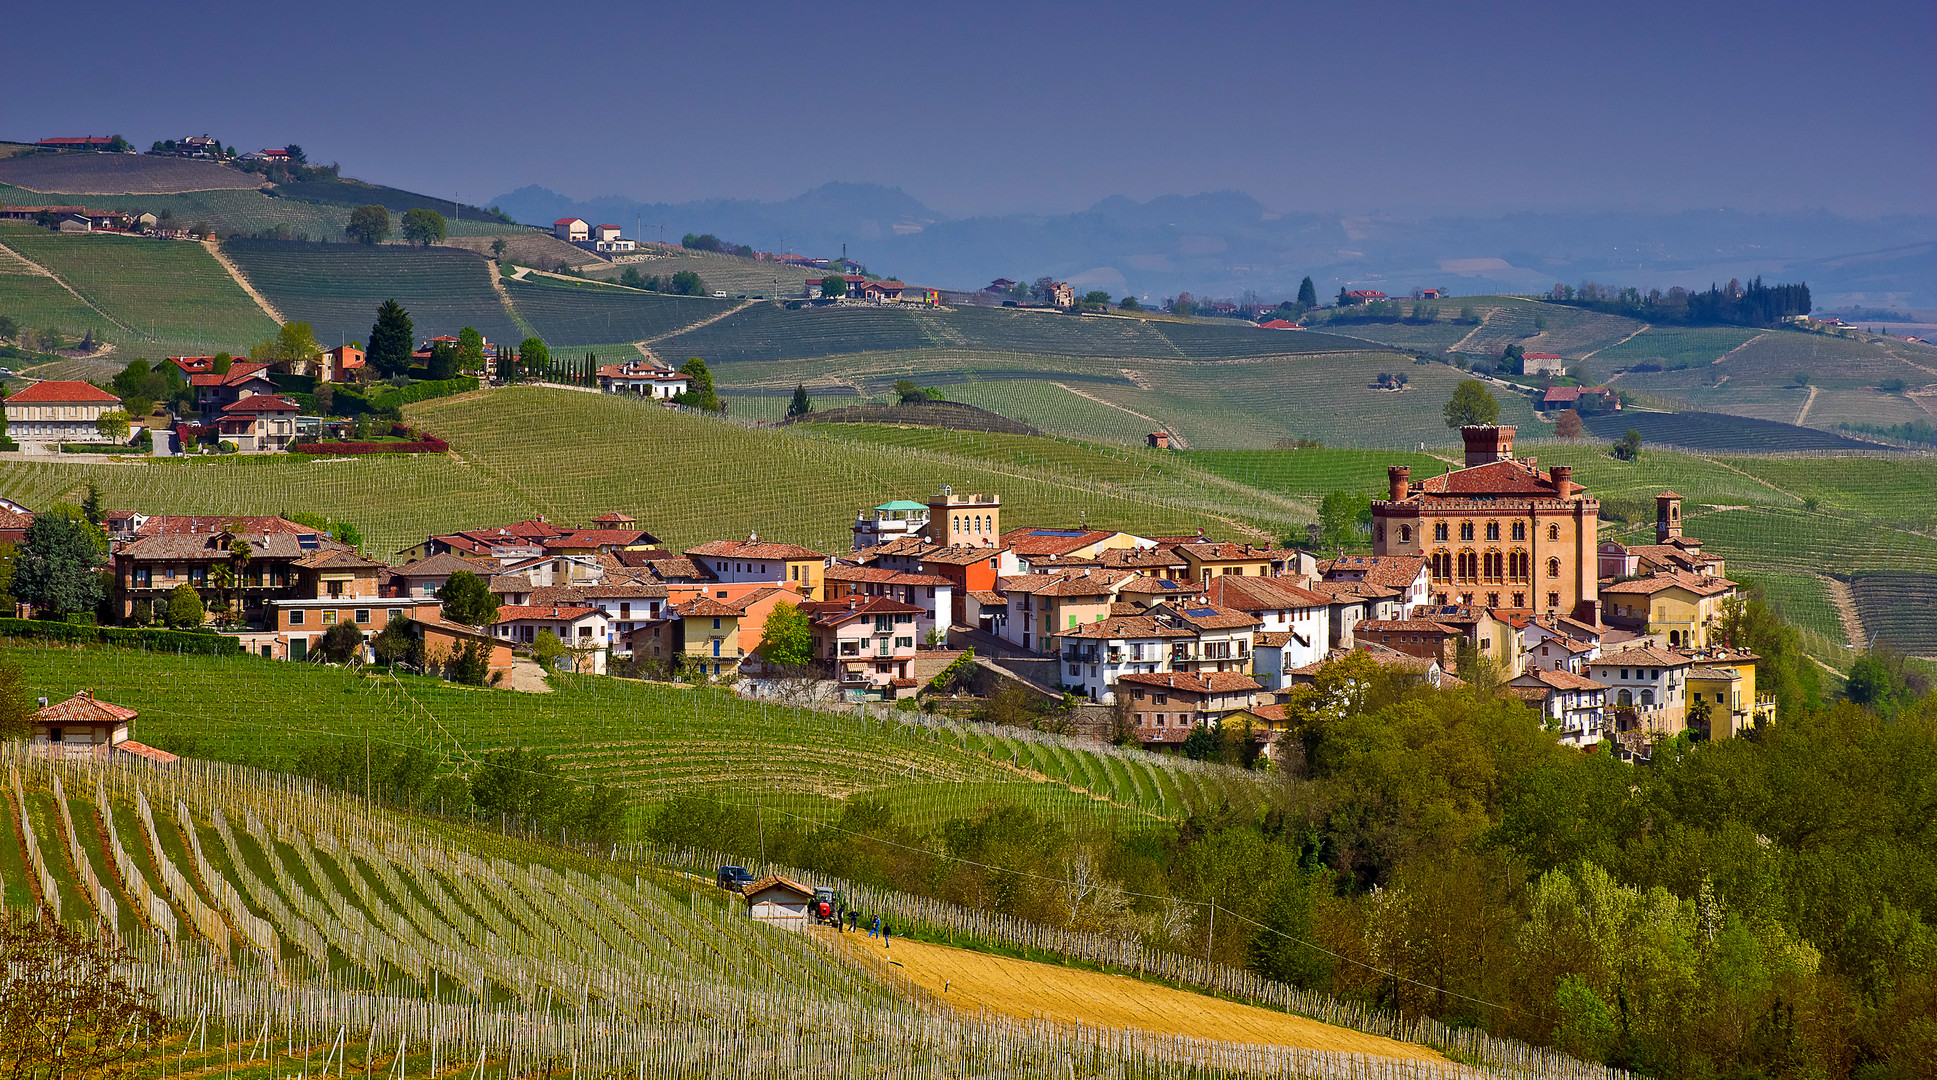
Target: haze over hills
(1222, 243)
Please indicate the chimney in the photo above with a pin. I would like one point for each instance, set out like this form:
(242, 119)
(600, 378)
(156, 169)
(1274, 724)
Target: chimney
(1563, 478)
(1487, 443)
(1399, 477)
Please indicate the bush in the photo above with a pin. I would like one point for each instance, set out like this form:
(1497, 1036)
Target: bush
(92, 448)
(154, 640)
(421, 391)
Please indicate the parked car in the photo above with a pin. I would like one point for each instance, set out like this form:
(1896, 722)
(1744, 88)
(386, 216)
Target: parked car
(735, 878)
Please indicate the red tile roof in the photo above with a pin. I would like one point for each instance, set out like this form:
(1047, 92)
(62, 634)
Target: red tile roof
(256, 403)
(1262, 594)
(159, 757)
(753, 549)
(1643, 656)
(83, 708)
(1195, 682)
(553, 612)
(64, 391)
(1494, 478)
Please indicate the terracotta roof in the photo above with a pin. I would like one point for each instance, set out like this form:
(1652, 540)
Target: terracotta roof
(1399, 626)
(64, 391)
(881, 575)
(1364, 590)
(1493, 478)
(1153, 586)
(705, 607)
(552, 612)
(986, 598)
(1204, 615)
(181, 525)
(262, 403)
(1050, 541)
(1648, 586)
(338, 557)
(596, 537)
(772, 881)
(190, 547)
(1714, 673)
(508, 583)
(1561, 680)
(1396, 571)
(242, 372)
(443, 564)
(835, 612)
(83, 708)
(1196, 682)
(140, 750)
(1124, 626)
(613, 519)
(1262, 594)
(753, 549)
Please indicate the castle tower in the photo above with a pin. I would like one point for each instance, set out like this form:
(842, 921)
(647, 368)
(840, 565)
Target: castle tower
(1487, 443)
(975, 520)
(1667, 517)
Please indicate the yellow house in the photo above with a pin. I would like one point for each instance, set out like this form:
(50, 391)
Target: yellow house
(802, 569)
(719, 633)
(1681, 606)
(1724, 682)
(1209, 560)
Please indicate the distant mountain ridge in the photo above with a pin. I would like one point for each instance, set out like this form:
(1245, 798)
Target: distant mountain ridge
(1222, 243)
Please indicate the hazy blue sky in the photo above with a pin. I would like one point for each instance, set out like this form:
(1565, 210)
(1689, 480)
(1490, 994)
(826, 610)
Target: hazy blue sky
(991, 107)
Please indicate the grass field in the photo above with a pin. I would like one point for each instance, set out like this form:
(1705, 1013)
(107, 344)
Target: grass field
(336, 287)
(172, 296)
(970, 981)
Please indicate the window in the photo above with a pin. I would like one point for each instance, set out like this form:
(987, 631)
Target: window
(1405, 534)
(363, 615)
(1492, 599)
(1553, 532)
(904, 643)
(55, 734)
(396, 613)
(1466, 530)
(1492, 530)
(1553, 568)
(716, 646)
(1439, 530)
(716, 624)
(1553, 599)
(329, 617)
(1519, 599)
(1519, 530)
(585, 631)
(850, 648)
(295, 616)
(1159, 698)
(1647, 697)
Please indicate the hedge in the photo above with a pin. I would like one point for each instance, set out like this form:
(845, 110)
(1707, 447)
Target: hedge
(422, 444)
(422, 391)
(96, 448)
(151, 639)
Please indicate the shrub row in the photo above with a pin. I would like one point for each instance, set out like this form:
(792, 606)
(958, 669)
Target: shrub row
(153, 640)
(422, 391)
(422, 444)
(96, 448)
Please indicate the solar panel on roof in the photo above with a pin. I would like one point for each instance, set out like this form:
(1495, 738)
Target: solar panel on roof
(1167, 584)
(1200, 612)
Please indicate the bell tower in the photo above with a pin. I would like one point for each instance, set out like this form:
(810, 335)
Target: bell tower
(1667, 517)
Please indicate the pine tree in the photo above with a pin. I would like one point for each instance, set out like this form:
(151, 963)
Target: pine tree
(390, 340)
(1308, 293)
(801, 405)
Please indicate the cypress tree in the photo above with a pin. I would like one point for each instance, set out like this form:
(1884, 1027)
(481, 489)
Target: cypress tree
(390, 339)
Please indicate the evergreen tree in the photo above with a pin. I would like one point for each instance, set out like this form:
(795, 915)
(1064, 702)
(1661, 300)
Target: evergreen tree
(801, 405)
(185, 610)
(54, 571)
(468, 599)
(392, 340)
(1308, 293)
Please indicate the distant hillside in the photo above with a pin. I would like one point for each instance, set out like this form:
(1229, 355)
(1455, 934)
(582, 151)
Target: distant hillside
(120, 174)
(941, 414)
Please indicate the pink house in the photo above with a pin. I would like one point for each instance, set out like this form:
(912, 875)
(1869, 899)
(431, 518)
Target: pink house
(869, 645)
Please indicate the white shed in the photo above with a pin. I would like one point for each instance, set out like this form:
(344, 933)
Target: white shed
(779, 901)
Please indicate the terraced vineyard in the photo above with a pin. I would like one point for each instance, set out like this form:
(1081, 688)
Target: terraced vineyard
(171, 297)
(568, 315)
(336, 287)
(1718, 432)
(1897, 608)
(229, 212)
(1803, 600)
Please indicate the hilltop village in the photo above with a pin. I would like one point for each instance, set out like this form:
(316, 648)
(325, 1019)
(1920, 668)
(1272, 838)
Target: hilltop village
(1490, 572)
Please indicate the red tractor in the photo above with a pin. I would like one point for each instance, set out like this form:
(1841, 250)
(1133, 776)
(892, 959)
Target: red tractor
(826, 907)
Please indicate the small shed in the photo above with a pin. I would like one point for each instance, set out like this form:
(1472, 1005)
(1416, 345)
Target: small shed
(83, 728)
(779, 901)
(1159, 440)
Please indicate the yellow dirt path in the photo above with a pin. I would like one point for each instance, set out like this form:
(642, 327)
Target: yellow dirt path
(1023, 988)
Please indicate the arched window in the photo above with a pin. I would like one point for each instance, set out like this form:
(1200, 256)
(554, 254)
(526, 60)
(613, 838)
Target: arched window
(1492, 530)
(1647, 698)
(1405, 534)
(1553, 568)
(1553, 532)
(1469, 566)
(1626, 698)
(1466, 530)
(1494, 566)
(1439, 530)
(1519, 530)
(1381, 534)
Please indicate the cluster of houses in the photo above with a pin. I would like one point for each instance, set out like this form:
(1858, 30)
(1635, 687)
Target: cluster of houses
(605, 239)
(1498, 560)
(81, 219)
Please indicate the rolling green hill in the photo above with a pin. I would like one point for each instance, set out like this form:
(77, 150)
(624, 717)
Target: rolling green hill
(336, 288)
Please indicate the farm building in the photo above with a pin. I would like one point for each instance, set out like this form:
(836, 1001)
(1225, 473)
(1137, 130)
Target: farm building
(47, 414)
(779, 901)
(1543, 363)
(82, 728)
(571, 230)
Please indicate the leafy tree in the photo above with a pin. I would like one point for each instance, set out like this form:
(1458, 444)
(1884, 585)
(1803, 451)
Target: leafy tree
(325, 395)
(909, 394)
(521, 783)
(340, 531)
(801, 405)
(185, 610)
(67, 1008)
(498, 247)
(392, 340)
(534, 357)
(54, 571)
(699, 387)
(340, 643)
(296, 342)
(369, 224)
(468, 599)
(1042, 288)
(1129, 303)
(395, 644)
(296, 155)
(470, 350)
(1308, 293)
(630, 277)
(470, 665)
(834, 285)
(788, 640)
(1873, 682)
(1568, 425)
(423, 226)
(687, 283)
(1629, 447)
(1201, 743)
(443, 362)
(17, 708)
(221, 363)
(1342, 518)
(1471, 403)
(701, 242)
(1096, 298)
(547, 648)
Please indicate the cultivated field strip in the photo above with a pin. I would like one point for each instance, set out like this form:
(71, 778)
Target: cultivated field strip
(579, 964)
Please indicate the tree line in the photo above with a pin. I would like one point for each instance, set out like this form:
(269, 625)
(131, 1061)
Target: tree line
(1735, 304)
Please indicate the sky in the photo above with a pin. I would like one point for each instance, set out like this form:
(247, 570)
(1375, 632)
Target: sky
(988, 108)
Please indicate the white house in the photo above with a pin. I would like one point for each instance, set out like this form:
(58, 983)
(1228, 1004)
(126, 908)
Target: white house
(47, 414)
(607, 238)
(571, 230)
(1573, 704)
(581, 628)
(1294, 623)
(1647, 688)
(1094, 655)
(1411, 575)
(643, 378)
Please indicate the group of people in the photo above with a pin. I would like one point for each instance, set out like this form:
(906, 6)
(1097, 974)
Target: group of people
(849, 920)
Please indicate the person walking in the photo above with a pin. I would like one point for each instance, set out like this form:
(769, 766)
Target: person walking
(875, 930)
(840, 918)
(854, 921)
(886, 933)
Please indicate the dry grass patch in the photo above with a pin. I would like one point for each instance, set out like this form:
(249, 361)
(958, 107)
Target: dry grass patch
(1030, 990)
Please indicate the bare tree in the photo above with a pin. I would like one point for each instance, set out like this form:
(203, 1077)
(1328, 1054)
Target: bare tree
(64, 1010)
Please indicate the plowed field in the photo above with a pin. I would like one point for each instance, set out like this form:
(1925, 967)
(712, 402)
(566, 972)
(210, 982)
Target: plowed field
(1027, 989)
